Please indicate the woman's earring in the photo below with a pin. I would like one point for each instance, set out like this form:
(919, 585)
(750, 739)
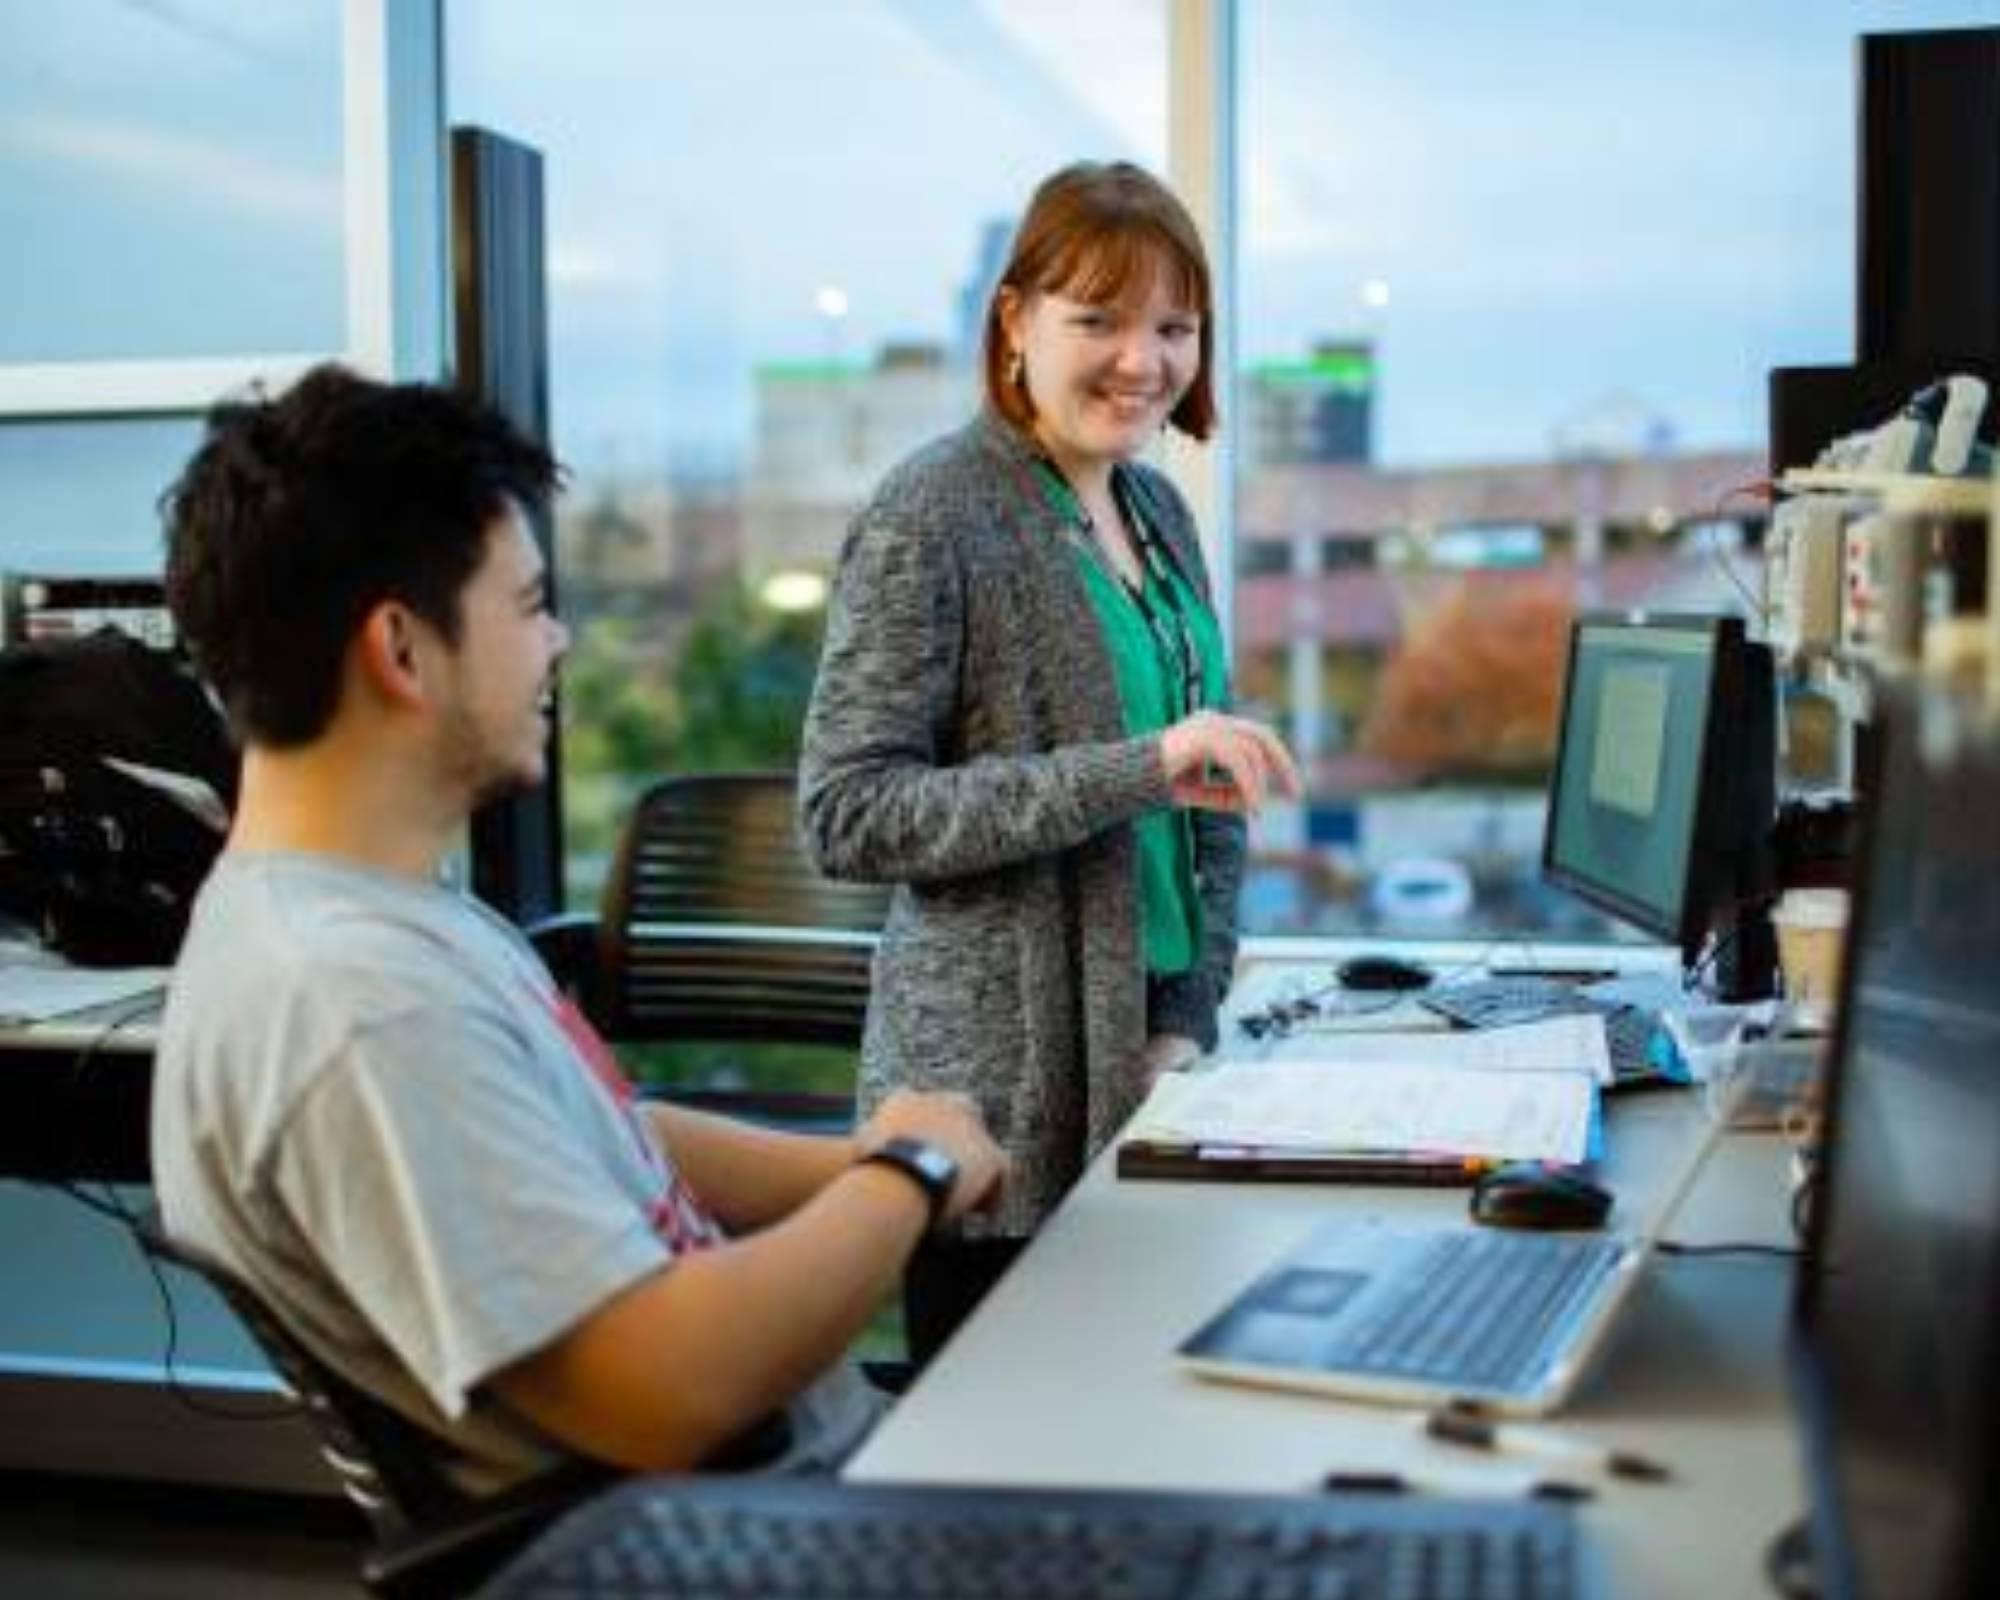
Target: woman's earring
(1016, 369)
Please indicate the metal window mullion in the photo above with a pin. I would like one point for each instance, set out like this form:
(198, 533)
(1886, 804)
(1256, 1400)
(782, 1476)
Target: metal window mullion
(393, 186)
(1201, 165)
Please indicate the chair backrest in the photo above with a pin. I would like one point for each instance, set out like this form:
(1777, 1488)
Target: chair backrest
(432, 1539)
(716, 926)
(386, 1463)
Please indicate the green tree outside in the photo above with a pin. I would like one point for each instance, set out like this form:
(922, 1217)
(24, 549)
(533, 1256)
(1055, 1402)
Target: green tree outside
(733, 697)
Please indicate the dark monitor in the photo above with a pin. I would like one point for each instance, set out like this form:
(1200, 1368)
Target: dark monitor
(1663, 794)
(1929, 215)
(1897, 1324)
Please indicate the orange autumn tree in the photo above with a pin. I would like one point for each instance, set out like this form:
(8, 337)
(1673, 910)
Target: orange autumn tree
(1476, 689)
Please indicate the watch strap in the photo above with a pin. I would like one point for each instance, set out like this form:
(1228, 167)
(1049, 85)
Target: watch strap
(925, 1165)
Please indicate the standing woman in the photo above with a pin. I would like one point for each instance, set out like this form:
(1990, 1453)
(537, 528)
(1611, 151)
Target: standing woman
(1020, 720)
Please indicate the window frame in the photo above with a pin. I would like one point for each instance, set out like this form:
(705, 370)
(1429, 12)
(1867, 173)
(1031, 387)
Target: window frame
(87, 1411)
(393, 244)
(1201, 166)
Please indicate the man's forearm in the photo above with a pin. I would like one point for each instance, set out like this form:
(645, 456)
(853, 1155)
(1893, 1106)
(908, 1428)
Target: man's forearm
(667, 1371)
(749, 1177)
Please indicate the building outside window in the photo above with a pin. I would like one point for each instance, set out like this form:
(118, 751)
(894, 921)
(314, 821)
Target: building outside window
(1509, 287)
(1511, 282)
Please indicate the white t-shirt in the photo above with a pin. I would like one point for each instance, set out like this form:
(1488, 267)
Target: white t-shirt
(373, 1103)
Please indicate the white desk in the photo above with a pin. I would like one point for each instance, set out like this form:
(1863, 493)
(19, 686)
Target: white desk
(1064, 1375)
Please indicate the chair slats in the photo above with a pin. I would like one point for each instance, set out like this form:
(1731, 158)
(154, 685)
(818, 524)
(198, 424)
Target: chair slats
(721, 850)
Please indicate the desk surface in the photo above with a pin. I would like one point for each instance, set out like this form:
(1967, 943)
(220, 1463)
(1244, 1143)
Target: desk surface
(1065, 1374)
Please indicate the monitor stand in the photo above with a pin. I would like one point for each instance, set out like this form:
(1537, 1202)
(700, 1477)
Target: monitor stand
(1746, 967)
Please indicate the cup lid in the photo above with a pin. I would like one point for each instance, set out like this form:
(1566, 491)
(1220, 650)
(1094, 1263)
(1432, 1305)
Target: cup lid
(1811, 908)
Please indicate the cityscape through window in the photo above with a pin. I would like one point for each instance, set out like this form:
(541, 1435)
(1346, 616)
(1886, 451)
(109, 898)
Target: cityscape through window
(1508, 289)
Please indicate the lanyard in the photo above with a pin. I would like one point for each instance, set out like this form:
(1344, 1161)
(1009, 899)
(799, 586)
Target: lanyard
(1167, 622)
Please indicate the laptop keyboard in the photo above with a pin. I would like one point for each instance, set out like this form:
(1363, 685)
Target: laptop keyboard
(1477, 1308)
(1508, 1002)
(821, 1540)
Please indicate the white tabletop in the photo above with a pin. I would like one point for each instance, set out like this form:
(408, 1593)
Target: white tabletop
(47, 1007)
(1065, 1375)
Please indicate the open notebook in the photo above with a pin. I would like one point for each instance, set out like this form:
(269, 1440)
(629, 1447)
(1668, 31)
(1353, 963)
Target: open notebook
(1390, 1108)
(1427, 1314)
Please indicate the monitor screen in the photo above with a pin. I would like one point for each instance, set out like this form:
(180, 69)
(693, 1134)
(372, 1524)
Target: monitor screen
(1629, 813)
(1899, 1301)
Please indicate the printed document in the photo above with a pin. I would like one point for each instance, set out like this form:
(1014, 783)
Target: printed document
(1572, 1042)
(1478, 1112)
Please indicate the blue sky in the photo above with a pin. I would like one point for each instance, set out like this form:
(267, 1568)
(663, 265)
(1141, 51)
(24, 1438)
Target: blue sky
(1575, 206)
(1570, 202)
(169, 178)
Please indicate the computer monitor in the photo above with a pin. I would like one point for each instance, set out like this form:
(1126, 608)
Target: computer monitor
(1896, 1348)
(1663, 797)
(38, 607)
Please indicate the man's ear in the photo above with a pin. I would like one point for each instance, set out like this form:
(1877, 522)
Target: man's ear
(389, 651)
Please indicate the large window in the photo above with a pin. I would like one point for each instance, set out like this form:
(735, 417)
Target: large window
(771, 229)
(192, 195)
(1509, 287)
(1512, 279)
(170, 192)
(170, 181)
(78, 497)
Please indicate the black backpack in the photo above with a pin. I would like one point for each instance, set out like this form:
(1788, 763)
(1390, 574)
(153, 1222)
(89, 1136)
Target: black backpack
(106, 747)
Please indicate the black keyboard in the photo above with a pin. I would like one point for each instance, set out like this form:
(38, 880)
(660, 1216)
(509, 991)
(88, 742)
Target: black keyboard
(1508, 1002)
(818, 1539)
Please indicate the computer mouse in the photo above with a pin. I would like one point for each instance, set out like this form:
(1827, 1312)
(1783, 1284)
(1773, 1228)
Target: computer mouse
(1536, 1194)
(1382, 972)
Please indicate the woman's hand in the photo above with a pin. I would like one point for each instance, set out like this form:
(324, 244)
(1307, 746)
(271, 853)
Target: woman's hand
(1166, 1052)
(1222, 763)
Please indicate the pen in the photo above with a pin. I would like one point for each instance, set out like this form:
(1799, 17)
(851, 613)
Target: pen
(1462, 1423)
(1456, 1485)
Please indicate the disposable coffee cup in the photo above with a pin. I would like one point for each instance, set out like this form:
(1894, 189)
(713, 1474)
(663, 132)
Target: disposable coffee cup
(1812, 930)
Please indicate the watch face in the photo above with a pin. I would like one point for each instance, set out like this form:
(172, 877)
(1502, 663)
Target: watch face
(937, 1167)
(930, 1166)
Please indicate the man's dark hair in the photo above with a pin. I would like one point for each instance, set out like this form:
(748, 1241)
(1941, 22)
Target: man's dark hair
(299, 515)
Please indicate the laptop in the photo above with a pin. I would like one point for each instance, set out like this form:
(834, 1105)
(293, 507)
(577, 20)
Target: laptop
(1425, 1314)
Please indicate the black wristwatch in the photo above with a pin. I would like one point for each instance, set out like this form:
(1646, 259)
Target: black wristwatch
(924, 1164)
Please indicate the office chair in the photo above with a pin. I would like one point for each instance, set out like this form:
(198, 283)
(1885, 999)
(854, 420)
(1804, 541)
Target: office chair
(430, 1537)
(715, 927)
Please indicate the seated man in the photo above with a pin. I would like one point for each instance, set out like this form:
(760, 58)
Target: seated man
(372, 1102)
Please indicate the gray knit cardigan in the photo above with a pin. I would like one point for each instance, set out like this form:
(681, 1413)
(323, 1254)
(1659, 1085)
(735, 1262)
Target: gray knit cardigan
(966, 743)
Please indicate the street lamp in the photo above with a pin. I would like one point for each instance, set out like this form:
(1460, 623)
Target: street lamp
(793, 592)
(830, 301)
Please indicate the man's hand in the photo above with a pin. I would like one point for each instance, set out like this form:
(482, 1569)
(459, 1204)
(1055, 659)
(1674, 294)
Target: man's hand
(751, 1320)
(952, 1123)
(1222, 763)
